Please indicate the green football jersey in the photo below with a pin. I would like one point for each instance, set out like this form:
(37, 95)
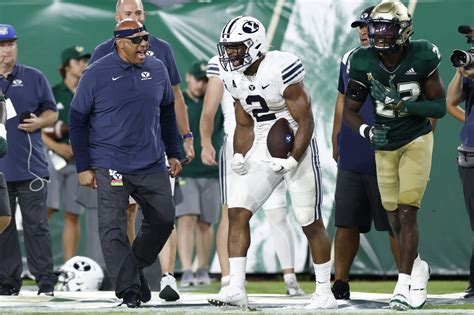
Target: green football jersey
(420, 59)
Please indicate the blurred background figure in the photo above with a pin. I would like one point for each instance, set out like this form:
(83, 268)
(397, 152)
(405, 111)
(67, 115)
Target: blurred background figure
(62, 169)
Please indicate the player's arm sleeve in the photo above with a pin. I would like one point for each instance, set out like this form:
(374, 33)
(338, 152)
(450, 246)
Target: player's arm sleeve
(79, 116)
(358, 84)
(169, 128)
(292, 72)
(212, 69)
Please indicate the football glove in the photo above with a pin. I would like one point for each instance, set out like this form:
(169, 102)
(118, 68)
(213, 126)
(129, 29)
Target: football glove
(239, 165)
(282, 166)
(377, 134)
(388, 96)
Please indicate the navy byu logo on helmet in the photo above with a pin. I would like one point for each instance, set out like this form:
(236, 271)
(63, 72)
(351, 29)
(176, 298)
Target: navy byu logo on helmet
(250, 27)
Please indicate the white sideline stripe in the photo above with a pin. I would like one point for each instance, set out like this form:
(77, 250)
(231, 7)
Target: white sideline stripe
(274, 21)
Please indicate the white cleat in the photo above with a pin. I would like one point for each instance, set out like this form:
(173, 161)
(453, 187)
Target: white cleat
(294, 289)
(399, 302)
(168, 288)
(230, 296)
(322, 301)
(419, 282)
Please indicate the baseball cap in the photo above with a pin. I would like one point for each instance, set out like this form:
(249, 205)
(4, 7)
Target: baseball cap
(73, 52)
(7, 32)
(198, 70)
(364, 17)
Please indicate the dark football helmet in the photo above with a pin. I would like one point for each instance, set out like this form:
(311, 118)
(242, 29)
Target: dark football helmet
(390, 27)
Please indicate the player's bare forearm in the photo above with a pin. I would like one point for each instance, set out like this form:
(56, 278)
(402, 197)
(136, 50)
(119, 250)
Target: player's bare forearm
(351, 114)
(299, 106)
(243, 135)
(337, 122)
(212, 99)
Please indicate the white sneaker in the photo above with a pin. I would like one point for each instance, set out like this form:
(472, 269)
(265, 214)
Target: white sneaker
(293, 288)
(419, 281)
(399, 302)
(230, 296)
(322, 301)
(168, 288)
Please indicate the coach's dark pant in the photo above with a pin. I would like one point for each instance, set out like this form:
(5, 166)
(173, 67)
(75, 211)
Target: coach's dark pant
(36, 235)
(153, 193)
(467, 179)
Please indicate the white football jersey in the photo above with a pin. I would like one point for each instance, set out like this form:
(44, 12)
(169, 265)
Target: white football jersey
(227, 103)
(261, 95)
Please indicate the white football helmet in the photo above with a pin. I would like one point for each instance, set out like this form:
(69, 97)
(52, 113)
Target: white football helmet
(390, 27)
(246, 33)
(80, 274)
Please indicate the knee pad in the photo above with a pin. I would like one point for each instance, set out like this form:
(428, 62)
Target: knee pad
(305, 215)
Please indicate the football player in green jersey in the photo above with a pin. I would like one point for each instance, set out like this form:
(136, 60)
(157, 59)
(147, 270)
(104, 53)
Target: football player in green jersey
(403, 80)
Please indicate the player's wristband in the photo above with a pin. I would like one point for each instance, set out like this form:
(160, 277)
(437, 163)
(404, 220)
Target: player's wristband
(188, 135)
(364, 131)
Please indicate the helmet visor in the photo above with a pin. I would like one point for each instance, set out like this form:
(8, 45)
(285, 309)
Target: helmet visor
(383, 35)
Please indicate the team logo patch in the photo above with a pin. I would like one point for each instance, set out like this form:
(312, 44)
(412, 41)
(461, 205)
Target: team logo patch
(250, 27)
(17, 83)
(145, 75)
(116, 179)
(3, 30)
(150, 53)
(251, 87)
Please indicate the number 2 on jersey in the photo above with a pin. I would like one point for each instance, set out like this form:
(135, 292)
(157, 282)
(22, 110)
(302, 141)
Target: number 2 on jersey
(259, 113)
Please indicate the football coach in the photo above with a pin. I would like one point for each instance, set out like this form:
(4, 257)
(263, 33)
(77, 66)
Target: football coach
(122, 123)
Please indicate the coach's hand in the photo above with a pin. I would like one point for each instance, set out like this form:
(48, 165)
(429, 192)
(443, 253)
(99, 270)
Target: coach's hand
(88, 179)
(175, 167)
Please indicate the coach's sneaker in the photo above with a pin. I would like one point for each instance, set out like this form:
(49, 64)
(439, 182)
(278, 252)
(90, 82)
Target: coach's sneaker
(322, 301)
(46, 289)
(202, 277)
(399, 302)
(230, 296)
(341, 290)
(419, 281)
(187, 279)
(293, 288)
(145, 290)
(168, 288)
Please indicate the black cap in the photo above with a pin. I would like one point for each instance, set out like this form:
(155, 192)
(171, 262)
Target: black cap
(364, 17)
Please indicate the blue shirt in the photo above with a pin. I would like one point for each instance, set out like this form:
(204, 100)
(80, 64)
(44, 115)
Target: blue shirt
(28, 90)
(467, 132)
(158, 48)
(122, 117)
(355, 153)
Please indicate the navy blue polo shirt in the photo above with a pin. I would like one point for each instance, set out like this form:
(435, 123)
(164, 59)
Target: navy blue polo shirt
(355, 153)
(158, 48)
(122, 117)
(28, 90)
(467, 132)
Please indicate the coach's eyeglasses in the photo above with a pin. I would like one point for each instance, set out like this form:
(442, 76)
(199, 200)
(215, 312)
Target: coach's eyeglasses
(138, 39)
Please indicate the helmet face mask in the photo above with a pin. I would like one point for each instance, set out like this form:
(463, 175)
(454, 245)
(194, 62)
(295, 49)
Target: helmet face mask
(242, 42)
(390, 27)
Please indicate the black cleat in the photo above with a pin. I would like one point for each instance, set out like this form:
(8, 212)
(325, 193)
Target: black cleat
(341, 290)
(131, 299)
(6, 289)
(46, 289)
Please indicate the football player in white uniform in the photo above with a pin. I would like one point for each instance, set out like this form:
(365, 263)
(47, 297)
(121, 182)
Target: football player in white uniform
(267, 86)
(274, 207)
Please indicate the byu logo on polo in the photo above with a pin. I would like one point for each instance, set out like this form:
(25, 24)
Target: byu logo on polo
(17, 83)
(150, 53)
(145, 75)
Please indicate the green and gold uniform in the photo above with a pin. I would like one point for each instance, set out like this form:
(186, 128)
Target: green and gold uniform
(419, 60)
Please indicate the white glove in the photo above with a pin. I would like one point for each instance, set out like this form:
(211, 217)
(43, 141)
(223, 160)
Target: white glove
(239, 165)
(282, 166)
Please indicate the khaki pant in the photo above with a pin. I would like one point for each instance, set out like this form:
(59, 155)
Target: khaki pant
(403, 173)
